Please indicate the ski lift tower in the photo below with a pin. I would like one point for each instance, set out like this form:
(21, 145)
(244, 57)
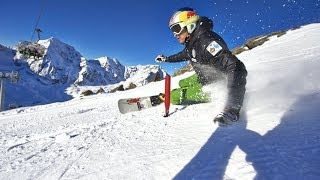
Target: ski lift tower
(14, 77)
(38, 30)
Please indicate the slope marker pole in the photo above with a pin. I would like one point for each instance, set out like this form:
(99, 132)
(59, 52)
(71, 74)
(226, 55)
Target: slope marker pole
(167, 95)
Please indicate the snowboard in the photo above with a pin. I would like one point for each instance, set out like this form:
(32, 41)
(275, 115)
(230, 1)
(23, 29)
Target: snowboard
(139, 103)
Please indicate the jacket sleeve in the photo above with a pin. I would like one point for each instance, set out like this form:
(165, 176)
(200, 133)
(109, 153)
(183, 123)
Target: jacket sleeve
(179, 57)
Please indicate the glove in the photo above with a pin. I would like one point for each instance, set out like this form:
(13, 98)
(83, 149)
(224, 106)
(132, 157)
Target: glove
(161, 58)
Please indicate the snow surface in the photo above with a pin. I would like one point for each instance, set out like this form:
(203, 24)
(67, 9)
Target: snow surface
(277, 136)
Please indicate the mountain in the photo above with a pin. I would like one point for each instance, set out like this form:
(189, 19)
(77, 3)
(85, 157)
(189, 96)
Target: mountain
(102, 71)
(142, 75)
(277, 136)
(105, 71)
(53, 71)
(59, 64)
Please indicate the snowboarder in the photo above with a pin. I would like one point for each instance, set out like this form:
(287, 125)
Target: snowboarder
(210, 58)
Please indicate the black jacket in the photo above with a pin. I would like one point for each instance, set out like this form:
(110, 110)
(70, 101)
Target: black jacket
(209, 55)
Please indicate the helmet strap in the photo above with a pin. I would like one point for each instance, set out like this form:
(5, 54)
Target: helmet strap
(187, 39)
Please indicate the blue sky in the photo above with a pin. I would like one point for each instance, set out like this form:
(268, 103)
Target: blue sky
(135, 31)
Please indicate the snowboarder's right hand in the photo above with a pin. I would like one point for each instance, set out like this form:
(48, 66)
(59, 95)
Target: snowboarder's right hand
(161, 58)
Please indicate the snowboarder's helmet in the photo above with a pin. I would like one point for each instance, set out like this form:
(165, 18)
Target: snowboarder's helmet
(184, 17)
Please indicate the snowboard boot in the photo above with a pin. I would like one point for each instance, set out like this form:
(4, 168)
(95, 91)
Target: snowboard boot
(227, 117)
(156, 100)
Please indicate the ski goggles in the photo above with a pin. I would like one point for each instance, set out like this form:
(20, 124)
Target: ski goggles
(177, 28)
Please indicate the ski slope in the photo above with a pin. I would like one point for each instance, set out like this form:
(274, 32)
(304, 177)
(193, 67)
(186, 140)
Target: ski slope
(277, 136)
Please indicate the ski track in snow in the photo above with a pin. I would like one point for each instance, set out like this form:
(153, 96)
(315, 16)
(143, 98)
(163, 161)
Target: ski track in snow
(276, 138)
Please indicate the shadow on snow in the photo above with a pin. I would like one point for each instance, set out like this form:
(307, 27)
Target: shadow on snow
(289, 151)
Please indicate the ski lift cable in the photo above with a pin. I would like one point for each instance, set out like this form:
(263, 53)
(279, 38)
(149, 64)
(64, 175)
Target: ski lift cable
(38, 19)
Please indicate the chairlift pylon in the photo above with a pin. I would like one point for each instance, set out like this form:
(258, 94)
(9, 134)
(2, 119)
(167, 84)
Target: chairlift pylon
(36, 29)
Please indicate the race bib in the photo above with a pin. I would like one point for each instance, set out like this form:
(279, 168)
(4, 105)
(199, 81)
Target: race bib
(214, 48)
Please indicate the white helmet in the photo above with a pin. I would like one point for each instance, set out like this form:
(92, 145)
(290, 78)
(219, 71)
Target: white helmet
(185, 17)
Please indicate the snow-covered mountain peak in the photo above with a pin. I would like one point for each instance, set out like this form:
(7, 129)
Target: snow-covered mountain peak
(59, 63)
(107, 62)
(114, 68)
(51, 41)
(62, 51)
(142, 75)
(102, 71)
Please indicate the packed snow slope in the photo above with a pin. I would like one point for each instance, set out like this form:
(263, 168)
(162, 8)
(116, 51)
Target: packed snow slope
(277, 136)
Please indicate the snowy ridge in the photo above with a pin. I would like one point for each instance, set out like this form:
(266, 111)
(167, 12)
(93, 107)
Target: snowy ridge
(142, 75)
(114, 69)
(100, 72)
(277, 136)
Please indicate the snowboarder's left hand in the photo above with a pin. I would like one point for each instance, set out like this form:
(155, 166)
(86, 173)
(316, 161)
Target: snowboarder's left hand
(161, 58)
